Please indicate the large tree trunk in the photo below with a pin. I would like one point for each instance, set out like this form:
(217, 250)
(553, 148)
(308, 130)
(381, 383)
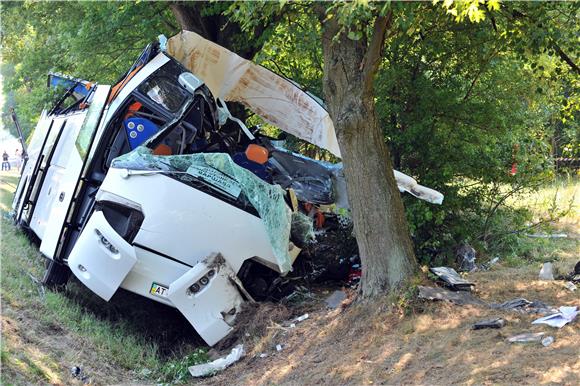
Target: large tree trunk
(379, 219)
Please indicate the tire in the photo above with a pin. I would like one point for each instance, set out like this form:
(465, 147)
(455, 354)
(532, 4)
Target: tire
(56, 274)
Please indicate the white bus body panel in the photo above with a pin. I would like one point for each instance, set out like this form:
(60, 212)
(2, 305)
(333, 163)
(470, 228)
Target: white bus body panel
(188, 224)
(212, 310)
(70, 174)
(65, 159)
(99, 268)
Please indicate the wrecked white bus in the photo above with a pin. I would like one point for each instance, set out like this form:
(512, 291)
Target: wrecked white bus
(152, 186)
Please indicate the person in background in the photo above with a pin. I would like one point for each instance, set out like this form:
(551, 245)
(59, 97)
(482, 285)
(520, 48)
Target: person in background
(5, 163)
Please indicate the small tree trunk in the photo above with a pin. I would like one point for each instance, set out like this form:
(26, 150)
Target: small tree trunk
(381, 229)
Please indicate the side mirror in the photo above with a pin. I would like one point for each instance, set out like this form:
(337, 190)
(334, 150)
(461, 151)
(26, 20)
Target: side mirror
(190, 82)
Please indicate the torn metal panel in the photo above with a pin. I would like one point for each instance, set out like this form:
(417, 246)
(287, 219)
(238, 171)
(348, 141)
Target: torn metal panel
(275, 99)
(208, 297)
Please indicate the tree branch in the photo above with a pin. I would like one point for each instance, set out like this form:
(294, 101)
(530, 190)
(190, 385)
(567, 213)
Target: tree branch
(373, 54)
(565, 57)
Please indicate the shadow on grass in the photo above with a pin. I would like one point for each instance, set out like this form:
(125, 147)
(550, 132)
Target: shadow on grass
(158, 323)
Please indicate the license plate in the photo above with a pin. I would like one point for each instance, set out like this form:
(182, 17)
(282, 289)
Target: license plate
(216, 178)
(159, 290)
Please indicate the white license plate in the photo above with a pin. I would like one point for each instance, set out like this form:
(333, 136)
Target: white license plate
(159, 290)
(216, 178)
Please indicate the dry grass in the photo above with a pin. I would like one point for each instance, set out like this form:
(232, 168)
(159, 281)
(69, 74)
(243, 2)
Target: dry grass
(372, 343)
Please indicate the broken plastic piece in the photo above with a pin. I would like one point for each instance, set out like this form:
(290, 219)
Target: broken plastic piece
(547, 341)
(489, 323)
(335, 299)
(460, 298)
(559, 319)
(452, 278)
(219, 364)
(279, 347)
(409, 185)
(546, 273)
(571, 286)
(301, 318)
(526, 337)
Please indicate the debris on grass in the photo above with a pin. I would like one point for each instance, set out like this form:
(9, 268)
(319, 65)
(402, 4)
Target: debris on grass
(527, 337)
(489, 323)
(571, 286)
(301, 318)
(559, 319)
(546, 273)
(489, 264)
(335, 299)
(218, 365)
(452, 279)
(525, 306)
(547, 341)
(465, 257)
(459, 298)
(279, 347)
(547, 235)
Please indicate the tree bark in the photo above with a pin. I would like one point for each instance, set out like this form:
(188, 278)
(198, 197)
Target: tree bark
(218, 28)
(380, 225)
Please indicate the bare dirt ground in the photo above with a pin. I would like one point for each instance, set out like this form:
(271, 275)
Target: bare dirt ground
(371, 343)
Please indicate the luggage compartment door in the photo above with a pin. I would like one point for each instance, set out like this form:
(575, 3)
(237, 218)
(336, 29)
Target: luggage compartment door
(101, 259)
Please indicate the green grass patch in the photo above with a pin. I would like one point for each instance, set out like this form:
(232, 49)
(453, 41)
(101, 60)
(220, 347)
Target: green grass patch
(113, 338)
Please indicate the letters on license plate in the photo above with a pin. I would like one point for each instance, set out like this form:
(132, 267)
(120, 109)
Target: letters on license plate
(159, 290)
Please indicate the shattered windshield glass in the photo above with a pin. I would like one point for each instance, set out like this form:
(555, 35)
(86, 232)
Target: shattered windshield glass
(163, 88)
(268, 200)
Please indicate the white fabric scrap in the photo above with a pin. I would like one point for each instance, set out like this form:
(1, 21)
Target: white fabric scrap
(219, 364)
(409, 185)
(560, 319)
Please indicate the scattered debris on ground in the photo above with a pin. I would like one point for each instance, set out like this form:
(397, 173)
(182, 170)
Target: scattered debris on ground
(459, 298)
(465, 257)
(524, 306)
(217, 365)
(571, 286)
(547, 341)
(527, 337)
(559, 319)
(546, 273)
(452, 279)
(489, 323)
(335, 299)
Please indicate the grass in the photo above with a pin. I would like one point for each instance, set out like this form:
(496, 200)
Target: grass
(96, 329)
(553, 208)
